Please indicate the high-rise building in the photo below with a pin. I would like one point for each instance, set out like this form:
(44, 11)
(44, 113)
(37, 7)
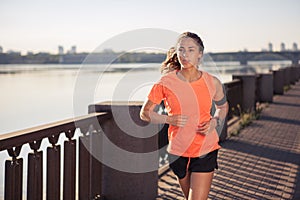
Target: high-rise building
(1, 49)
(270, 47)
(282, 47)
(295, 46)
(60, 50)
(73, 50)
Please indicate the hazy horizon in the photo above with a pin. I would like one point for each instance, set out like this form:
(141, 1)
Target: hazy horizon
(225, 26)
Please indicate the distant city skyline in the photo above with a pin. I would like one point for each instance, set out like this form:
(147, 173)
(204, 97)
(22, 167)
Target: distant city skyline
(73, 49)
(233, 25)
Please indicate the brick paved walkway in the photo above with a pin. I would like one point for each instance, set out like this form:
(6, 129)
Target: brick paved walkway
(263, 162)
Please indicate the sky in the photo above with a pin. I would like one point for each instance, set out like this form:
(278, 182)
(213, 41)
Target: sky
(224, 25)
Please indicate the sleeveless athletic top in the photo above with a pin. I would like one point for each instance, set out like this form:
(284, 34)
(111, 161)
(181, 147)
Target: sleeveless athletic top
(193, 99)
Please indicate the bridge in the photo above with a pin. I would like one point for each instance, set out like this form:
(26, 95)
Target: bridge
(244, 57)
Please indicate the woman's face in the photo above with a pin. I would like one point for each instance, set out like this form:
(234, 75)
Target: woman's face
(188, 53)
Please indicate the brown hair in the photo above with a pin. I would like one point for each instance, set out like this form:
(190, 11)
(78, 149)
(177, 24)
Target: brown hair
(194, 36)
(171, 62)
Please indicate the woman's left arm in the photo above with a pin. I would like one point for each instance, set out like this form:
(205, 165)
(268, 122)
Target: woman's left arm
(220, 103)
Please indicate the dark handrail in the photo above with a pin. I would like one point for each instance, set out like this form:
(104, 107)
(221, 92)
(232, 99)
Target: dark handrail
(13, 142)
(18, 138)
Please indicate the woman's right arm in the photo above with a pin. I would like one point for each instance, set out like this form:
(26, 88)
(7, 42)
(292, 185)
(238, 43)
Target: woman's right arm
(148, 114)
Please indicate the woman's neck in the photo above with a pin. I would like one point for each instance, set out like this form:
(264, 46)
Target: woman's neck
(190, 74)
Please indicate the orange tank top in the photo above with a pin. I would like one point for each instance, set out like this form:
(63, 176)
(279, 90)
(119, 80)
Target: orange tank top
(193, 100)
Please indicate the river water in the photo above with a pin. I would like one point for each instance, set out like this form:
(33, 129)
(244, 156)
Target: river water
(37, 94)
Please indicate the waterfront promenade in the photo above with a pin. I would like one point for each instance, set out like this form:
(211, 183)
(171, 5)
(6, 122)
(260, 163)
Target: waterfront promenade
(262, 162)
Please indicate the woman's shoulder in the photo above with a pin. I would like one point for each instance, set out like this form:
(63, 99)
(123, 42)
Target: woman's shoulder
(211, 77)
(169, 76)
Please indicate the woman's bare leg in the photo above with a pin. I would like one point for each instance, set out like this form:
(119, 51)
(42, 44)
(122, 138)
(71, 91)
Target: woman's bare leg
(185, 184)
(200, 184)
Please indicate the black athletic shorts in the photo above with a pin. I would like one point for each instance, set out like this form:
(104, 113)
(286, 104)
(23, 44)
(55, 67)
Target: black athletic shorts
(180, 165)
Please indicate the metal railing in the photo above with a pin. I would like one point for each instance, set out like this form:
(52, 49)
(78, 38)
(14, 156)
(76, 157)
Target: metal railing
(89, 169)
